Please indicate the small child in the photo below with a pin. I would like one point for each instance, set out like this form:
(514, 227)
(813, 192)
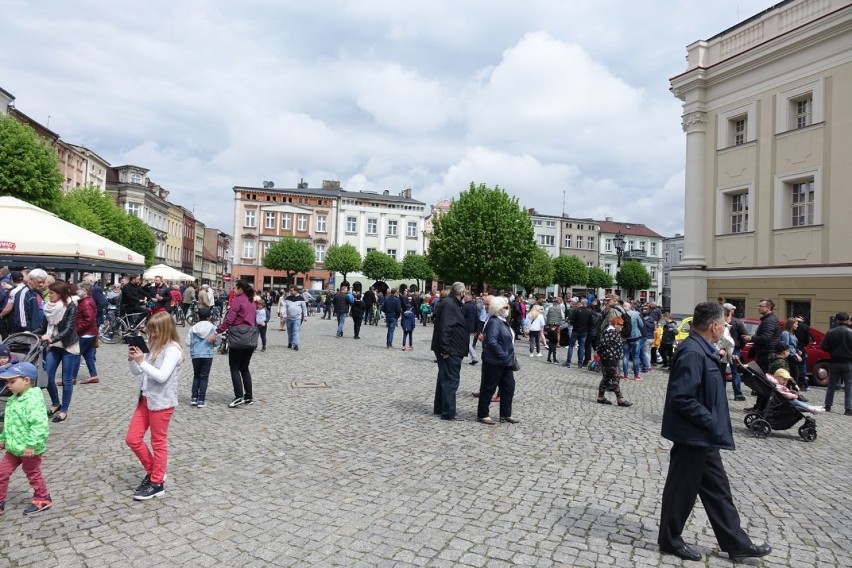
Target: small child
(782, 380)
(424, 312)
(6, 359)
(780, 360)
(409, 321)
(201, 351)
(552, 337)
(25, 432)
(262, 315)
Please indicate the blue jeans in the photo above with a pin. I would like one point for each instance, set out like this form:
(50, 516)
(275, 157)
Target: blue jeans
(449, 375)
(89, 354)
(736, 379)
(341, 319)
(632, 351)
(293, 327)
(837, 372)
(644, 355)
(391, 328)
(200, 376)
(70, 363)
(580, 338)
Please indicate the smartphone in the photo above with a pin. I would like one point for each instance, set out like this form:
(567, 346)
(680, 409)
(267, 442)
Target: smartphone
(139, 342)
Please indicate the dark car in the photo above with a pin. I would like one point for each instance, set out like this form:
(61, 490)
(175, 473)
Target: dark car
(818, 359)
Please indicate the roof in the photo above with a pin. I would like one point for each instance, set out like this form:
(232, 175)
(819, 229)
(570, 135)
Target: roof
(331, 193)
(632, 229)
(7, 93)
(750, 20)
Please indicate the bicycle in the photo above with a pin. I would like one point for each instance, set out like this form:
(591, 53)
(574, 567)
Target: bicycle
(117, 327)
(179, 316)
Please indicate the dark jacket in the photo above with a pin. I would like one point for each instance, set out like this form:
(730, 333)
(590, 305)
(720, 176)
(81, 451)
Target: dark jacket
(737, 330)
(65, 332)
(838, 343)
(498, 347)
(696, 410)
(409, 320)
(449, 335)
(26, 311)
(369, 299)
(392, 307)
(581, 319)
(131, 294)
(341, 303)
(471, 315)
(357, 310)
(767, 335)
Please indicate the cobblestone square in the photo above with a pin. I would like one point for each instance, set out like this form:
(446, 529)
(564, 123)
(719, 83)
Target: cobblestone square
(363, 474)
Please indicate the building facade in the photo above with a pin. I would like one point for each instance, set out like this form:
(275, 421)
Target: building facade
(640, 243)
(766, 110)
(7, 101)
(672, 253)
(131, 189)
(174, 237)
(580, 238)
(94, 167)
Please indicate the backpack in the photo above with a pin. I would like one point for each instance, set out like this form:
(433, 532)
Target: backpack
(669, 333)
(627, 328)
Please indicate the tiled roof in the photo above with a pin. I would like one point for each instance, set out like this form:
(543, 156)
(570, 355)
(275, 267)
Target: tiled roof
(332, 193)
(633, 229)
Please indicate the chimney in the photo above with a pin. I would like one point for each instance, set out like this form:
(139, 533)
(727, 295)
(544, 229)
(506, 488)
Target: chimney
(302, 184)
(405, 193)
(330, 184)
(609, 219)
(386, 192)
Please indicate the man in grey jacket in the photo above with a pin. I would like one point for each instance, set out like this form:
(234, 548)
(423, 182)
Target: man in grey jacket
(296, 313)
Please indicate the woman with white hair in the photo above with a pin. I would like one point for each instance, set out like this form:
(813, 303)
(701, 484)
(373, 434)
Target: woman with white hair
(498, 359)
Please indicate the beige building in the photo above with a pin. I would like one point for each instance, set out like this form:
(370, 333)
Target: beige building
(174, 236)
(767, 113)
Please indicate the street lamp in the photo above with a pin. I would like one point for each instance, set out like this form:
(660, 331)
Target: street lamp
(618, 241)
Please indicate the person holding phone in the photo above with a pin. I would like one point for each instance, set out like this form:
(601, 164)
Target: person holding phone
(158, 370)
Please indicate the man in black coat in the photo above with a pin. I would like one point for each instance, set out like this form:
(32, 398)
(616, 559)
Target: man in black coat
(838, 343)
(768, 333)
(450, 344)
(696, 419)
(471, 318)
(369, 301)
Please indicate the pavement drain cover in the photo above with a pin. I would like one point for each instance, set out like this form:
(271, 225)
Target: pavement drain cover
(309, 385)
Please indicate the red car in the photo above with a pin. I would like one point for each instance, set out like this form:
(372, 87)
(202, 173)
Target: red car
(817, 365)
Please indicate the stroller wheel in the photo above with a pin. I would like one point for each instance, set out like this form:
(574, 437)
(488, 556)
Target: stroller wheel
(760, 428)
(749, 418)
(808, 432)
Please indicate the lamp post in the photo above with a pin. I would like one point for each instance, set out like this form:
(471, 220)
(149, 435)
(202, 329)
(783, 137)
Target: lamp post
(618, 241)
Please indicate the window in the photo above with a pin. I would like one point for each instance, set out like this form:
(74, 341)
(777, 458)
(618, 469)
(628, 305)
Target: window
(410, 252)
(134, 209)
(269, 221)
(537, 223)
(738, 129)
(567, 241)
(654, 249)
(250, 215)
(804, 111)
(679, 254)
(301, 222)
(608, 245)
(653, 275)
(369, 250)
(736, 126)
(248, 249)
(546, 240)
(372, 226)
(642, 245)
(798, 200)
(733, 206)
(590, 264)
(666, 257)
(550, 224)
(590, 243)
(608, 268)
(412, 229)
(285, 221)
(392, 253)
(802, 204)
(320, 251)
(739, 212)
(136, 178)
(580, 226)
(392, 227)
(351, 224)
(799, 107)
(322, 221)
(579, 242)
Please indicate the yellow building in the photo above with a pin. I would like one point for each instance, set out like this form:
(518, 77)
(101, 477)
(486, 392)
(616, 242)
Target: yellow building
(768, 123)
(174, 236)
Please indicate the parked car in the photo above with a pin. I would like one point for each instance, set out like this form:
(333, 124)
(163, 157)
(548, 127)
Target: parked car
(817, 365)
(683, 328)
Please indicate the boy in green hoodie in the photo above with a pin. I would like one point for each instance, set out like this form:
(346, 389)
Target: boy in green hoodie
(25, 431)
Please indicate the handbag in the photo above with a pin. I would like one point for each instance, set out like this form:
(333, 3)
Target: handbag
(516, 366)
(242, 337)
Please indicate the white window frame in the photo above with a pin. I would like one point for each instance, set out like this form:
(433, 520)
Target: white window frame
(372, 226)
(590, 243)
(250, 218)
(726, 123)
(285, 221)
(653, 272)
(351, 224)
(567, 241)
(783, 183)
(302, 222)
(320, 253)
(653, 248)
(608, 245)
(785, 108)
(134, 209)
(412, 229)
(723, 208)
(590, 264)
(393, 227)
(269, 220)
(579, 241)
(392, 253)
(550, 224)
(536, 222)
(322, 224)
(248, 248)
(547, 240)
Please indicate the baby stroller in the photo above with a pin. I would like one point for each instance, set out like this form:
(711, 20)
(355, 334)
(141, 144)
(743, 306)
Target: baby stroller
(772, 410)
(25, 347)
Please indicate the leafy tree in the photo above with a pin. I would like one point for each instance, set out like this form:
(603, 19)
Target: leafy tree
(633, 276)
(29, 167)
(417, 266)
(569, 271)
(342, 258)
(139, 238)
(539, 272)
(485, 237)
(380, 266)
(291, 256)
(598, 278)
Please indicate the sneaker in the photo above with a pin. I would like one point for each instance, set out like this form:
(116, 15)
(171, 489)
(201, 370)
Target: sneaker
(817, 409)
(236, 402)
(848, 412)
(289, 346)
(637, 378)
(202, 404)
(90, 381)
(295, 348)
(739, 398)
(532, 354)
(146, 481)
(149, 492)
(538, 354)
(193, 402)
(248, 401)
(38, 505)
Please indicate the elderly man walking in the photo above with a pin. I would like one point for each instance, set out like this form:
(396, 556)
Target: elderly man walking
(450, 344)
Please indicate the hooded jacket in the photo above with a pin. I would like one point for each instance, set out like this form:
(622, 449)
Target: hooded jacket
(196, 340)
(25, 423)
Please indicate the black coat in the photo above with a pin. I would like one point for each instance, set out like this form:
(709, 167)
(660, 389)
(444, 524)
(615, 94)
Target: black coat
(471, 315)
(449, 335)
(696, 411)
(768, 334)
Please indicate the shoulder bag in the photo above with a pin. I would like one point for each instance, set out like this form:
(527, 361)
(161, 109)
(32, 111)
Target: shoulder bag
(242, 337)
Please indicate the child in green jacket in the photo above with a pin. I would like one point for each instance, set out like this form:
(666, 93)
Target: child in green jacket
(25, 431)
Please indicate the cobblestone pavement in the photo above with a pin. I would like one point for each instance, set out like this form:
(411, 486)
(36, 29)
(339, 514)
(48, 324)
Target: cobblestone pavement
(362, 474)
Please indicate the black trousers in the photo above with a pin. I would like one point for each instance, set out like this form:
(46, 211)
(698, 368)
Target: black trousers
(356, 325)
(238, 361)
(698, 472)
(494, 376)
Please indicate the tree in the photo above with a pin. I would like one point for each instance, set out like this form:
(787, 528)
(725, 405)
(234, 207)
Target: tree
(539, 271)
(633, 276)
(29, 167)
(342, 258)
(290, 256)
(598, 278)
(139, 238)
(569, 271)
(485, 237)
(380, 266)
(417, 266)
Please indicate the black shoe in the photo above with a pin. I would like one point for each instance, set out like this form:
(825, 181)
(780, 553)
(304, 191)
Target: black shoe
(802, 398)
(145, 483)
(295, 348)
(683, 552)
(739, 397)
(753, 551)
(149, 492)
(248, 401)
(289, 346)
(848, 412)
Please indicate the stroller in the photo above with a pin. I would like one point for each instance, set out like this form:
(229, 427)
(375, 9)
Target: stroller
(25, 347)
(773, 411)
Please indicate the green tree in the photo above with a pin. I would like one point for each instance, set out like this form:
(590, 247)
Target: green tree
(29, 167)
(633, 276)
(598, 278)
(485, 237)
(569, 271)
(342, 258)
(290, 256)
(139, 238)
(380, 266)
(417, 266)
(539, 271)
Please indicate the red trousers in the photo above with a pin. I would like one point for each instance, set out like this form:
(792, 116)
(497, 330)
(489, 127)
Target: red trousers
(31, 467)
(156, 459)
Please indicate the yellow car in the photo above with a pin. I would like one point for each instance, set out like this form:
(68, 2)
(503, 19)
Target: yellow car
(683, 330)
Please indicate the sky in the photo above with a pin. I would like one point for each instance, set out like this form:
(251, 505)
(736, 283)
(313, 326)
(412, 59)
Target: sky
(564, 104)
